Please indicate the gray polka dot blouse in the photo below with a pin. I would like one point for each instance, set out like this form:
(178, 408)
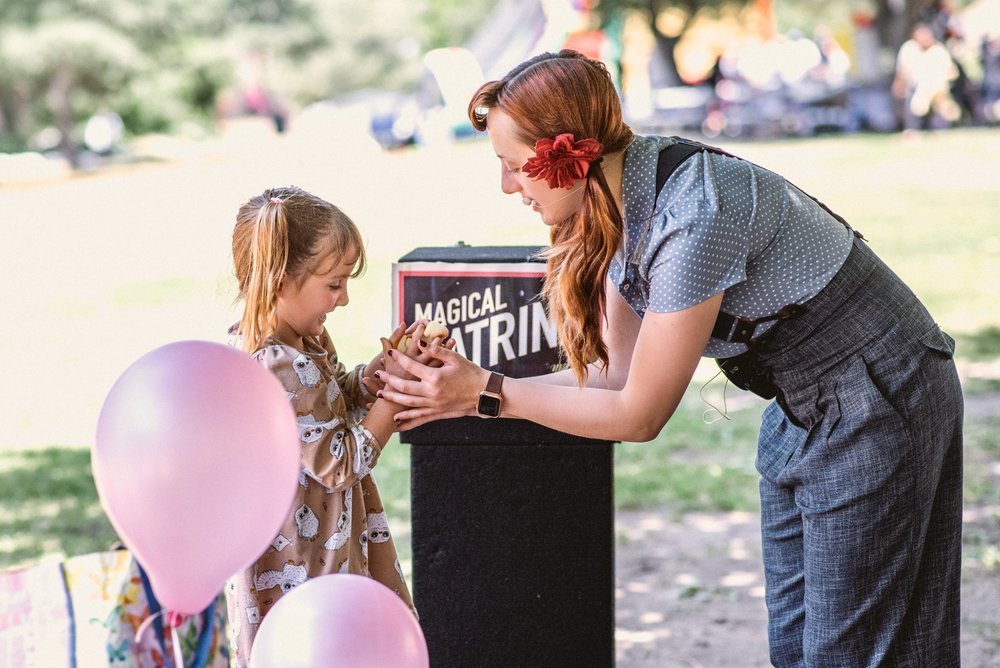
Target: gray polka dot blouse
(721, 224)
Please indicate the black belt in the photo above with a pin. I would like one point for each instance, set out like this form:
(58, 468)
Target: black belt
(741, 329)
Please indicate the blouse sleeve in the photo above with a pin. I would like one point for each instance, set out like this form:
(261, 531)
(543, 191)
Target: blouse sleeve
(696, 247)
(350, 384)
(337, 450)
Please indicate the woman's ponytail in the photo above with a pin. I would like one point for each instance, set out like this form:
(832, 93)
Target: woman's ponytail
(577, 261)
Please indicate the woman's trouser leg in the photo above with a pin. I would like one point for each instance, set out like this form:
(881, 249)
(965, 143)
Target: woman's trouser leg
(867, 505)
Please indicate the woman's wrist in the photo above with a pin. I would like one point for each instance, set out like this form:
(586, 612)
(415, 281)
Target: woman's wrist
(488, 400)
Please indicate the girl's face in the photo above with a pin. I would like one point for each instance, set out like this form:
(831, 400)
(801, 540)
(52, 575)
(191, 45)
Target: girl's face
(554, 205)
(303, 305)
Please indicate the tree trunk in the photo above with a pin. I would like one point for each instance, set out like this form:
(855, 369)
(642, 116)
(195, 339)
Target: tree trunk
(768, 22)
(14, 109)
(62, 111)
(894, 20)
(664, 72)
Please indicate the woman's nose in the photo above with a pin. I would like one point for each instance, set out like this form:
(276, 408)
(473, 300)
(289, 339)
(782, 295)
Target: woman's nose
(508, 182)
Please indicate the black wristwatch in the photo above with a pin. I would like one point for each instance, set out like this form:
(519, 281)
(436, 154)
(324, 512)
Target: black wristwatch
(489, 399)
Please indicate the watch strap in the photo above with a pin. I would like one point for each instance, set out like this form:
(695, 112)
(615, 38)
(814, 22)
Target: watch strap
(495, 382)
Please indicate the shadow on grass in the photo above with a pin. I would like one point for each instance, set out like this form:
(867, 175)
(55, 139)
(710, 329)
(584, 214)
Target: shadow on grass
(49, 506)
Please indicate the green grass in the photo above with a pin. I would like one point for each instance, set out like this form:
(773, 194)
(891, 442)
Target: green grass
(982, 460)
(980, 346)
(158, 293)
(50, 505)
(692, 464)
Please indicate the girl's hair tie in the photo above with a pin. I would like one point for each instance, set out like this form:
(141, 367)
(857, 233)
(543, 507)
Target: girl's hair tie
(277, 200)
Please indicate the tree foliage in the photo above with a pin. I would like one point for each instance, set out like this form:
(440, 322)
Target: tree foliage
(163, 63)
(893, 19)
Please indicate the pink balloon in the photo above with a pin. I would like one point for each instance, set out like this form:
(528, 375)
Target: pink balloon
(196, 462)
(340, 620)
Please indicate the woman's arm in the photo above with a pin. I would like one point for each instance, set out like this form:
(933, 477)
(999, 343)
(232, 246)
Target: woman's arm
(666, 352)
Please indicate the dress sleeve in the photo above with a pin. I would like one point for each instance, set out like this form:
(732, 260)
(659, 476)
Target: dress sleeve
(354, 390)
(356, 396)
(337, 450)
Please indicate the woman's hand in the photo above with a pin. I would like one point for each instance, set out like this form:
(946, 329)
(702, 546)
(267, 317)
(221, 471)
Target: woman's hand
(415, 348)
(428, 331)
(446, 386)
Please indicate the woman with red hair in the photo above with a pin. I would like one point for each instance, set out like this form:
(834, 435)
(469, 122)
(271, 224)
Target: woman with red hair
(664, 250)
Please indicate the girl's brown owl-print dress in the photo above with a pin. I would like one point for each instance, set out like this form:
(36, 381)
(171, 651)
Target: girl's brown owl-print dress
(337, 523)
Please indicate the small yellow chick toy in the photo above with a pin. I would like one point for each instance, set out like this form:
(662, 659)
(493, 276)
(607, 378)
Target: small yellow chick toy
(432, 330)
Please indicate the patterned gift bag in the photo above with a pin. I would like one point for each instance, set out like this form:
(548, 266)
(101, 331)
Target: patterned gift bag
(35, 624)
(97, 610)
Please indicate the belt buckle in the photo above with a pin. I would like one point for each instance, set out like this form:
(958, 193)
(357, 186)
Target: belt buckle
(743, 329)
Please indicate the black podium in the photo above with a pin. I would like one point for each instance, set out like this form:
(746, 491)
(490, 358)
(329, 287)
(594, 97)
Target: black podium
(512, 523)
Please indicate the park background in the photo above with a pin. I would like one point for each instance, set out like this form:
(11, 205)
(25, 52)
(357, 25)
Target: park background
(127, 152)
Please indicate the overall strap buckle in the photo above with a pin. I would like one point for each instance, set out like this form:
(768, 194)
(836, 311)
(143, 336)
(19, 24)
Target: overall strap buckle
(740, 329)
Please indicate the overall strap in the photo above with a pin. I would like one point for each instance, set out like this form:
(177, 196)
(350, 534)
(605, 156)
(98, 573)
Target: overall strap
(670, 159)
(730, 328)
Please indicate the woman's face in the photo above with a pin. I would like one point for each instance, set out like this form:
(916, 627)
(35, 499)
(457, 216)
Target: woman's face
(554, 205)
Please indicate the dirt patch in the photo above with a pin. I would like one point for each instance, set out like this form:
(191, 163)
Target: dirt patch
(690, 590)
(690, 587)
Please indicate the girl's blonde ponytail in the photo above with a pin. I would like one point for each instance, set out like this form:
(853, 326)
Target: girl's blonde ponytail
(268, 244)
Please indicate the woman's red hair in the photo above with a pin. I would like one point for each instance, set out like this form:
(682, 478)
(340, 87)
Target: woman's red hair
(546, 96)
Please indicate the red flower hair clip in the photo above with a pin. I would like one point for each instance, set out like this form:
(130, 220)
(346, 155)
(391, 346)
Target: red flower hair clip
(562, 161)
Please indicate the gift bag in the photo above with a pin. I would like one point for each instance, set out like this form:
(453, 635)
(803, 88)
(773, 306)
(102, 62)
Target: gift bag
(98, 610)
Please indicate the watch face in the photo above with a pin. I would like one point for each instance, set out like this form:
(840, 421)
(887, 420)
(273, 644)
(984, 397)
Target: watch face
(489, 405)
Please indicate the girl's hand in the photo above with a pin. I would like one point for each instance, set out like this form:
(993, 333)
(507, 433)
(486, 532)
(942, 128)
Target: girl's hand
(392, 366)
(447, 386)
(368, 379)
(414, 349)
(410, 337)
(376, 385)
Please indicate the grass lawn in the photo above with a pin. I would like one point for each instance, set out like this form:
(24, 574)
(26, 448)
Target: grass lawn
(928, 208)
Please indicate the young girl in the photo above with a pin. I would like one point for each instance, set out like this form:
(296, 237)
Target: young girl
(293, 255)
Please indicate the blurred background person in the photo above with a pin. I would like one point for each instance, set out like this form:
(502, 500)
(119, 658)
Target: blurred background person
(989, 88)
(925, 71)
